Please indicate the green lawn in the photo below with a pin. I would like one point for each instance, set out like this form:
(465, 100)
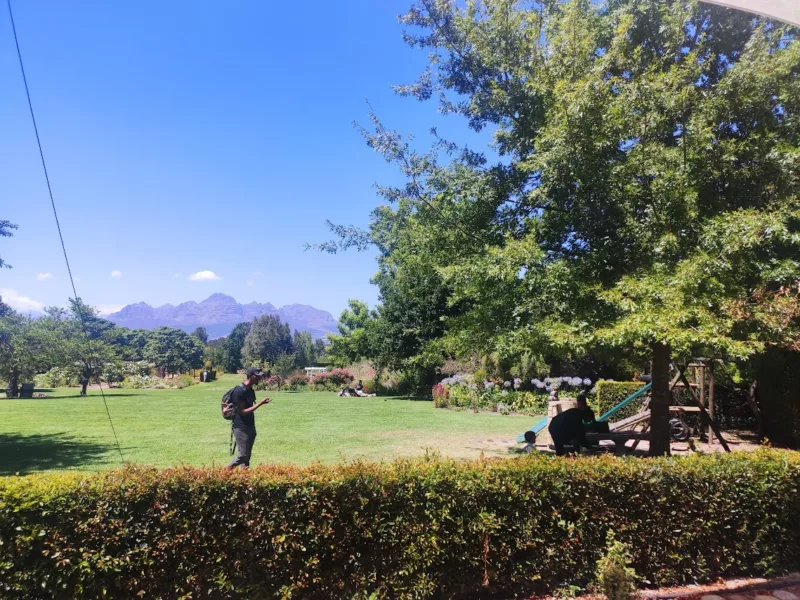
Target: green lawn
(173, 427)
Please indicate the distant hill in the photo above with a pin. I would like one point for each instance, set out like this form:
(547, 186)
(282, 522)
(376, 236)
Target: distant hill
(219, 313)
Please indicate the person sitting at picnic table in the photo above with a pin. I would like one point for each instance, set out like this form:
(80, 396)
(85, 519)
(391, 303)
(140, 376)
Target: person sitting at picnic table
(570, 426)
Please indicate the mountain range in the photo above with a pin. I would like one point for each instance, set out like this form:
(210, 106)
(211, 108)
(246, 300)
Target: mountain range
(219, 314)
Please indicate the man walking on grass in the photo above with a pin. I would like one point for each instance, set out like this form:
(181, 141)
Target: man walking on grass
(244, 421)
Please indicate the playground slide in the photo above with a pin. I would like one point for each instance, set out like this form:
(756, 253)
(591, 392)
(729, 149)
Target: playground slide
(604, 417)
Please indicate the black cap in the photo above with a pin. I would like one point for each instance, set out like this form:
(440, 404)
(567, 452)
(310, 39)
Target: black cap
(255, 371)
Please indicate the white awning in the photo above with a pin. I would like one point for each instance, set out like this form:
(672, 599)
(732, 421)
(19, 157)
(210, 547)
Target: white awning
(787, 11)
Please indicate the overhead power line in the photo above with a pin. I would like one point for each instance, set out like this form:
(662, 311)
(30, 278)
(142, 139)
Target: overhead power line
(78, 303)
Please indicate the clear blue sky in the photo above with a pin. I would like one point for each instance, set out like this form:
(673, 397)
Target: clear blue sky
(190, 136)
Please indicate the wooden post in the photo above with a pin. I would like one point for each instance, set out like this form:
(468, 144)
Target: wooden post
(659, 401)
(751, 400)
(711, 403)
(704, 412)
(702, 383)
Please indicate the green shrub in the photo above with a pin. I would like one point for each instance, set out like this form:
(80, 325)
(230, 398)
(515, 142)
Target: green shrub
(527, 403)
(611, 393)
(614, 575)
(424, 528)
(56, 377)
(183, 381)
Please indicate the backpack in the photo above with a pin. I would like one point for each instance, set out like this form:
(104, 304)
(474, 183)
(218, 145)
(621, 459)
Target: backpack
(229, 408)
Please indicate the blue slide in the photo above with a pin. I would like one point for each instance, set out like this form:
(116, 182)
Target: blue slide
(604, 417)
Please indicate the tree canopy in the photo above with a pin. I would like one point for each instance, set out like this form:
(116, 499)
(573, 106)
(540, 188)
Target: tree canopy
(267, 340)
(641, 192)
(6, 228)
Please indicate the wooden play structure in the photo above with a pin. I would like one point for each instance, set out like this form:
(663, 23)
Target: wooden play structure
(695, 378)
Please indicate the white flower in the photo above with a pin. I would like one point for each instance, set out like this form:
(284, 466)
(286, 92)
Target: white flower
(506, 384)
(587, 381)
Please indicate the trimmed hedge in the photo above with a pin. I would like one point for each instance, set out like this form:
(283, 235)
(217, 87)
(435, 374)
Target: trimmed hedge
(424, 528)
(611, 393)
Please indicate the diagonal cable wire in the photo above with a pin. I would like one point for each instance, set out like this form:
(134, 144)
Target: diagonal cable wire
(78, 303)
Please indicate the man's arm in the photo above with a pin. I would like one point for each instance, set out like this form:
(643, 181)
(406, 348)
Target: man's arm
(254, 408)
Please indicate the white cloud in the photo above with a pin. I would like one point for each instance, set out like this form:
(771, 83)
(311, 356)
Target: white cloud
(204, 276)
(107, 309)
(43, 276)
(250, 283)
(20, 303)
(177, 275)
(116, 273)
(258, 273)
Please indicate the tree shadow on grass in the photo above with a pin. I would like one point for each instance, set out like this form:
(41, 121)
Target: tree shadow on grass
(26, 454)
(407, 398)
(71, 396)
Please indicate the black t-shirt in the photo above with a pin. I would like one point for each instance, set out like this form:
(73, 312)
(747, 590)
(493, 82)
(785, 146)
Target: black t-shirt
(244, 397)
(570, 424)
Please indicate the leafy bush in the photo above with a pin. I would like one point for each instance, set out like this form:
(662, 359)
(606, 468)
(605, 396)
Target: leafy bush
(138, 368)
(297, 381)
(138, 382)
(332, 380)
(423, 528)
(611, 393)
(527, 403)
(370, 386)
(614, 575)
(183, 381)
(112, 372)
(441, 396)
(272, 383)
(460, 391)
(56, 377)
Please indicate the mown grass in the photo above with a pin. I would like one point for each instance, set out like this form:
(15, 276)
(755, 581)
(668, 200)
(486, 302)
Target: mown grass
(174, 427)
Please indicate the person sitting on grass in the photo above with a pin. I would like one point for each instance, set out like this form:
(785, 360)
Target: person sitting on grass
(356, 391)
(569, 427)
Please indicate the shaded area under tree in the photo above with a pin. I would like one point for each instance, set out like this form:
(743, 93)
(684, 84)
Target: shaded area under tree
(26, 454)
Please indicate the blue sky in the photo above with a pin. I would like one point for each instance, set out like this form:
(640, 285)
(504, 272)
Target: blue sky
(185, 137)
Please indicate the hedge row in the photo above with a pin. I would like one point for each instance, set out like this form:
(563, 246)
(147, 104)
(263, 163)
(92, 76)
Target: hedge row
(611, 393)
(426, 528)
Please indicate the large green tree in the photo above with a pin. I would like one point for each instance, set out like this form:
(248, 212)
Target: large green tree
(173, 350)
(646, 190)
(23, 349)
(77, 340)
(268, 339)
(201, 334)
(305, 351)
(232, 347)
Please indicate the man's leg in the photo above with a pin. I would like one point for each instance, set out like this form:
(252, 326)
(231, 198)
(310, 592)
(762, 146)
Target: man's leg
(244, 447)
(559, 444)
(251, 439)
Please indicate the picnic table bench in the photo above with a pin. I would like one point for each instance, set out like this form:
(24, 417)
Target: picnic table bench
(619, 438)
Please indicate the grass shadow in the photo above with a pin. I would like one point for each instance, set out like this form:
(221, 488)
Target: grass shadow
(26, 454)
(407, 398)
(76, 396)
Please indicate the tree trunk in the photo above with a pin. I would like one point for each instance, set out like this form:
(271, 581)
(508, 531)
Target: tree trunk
(660, 401)
(12, 391)
(84, 383)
